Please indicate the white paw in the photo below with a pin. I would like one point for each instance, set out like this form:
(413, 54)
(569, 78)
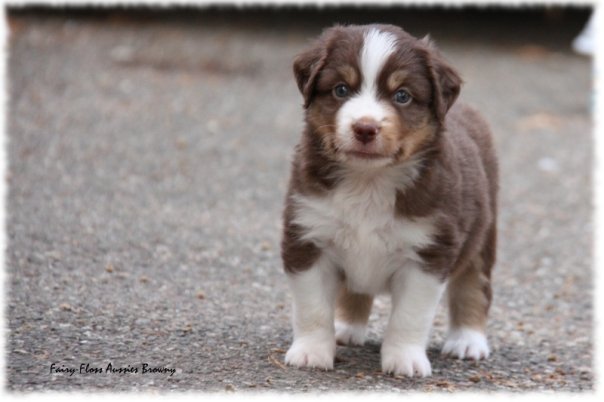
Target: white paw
(316, 351)
(466, 343)
(350, 334)
(408, 360)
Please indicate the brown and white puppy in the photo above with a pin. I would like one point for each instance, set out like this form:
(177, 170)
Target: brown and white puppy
(393, 189)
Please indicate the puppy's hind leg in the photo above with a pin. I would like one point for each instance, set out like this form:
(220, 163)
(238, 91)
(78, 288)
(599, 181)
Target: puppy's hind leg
(352, 314)
(469, 296)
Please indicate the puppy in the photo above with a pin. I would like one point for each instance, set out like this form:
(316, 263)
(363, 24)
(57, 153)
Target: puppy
(393, 189)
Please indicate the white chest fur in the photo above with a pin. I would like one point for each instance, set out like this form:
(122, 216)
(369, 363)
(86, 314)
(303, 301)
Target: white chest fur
(356, 228)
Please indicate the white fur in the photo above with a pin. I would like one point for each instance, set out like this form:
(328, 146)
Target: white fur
(377, 48)
(409, 360)
(350, 334)
(356, 228)
(316, 350)
(415, 296)
(466, 342)
(314, 292)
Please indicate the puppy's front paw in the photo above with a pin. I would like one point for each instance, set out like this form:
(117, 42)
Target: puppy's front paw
(312, 351)
(466, 343)
(408, 360)
(350, 334)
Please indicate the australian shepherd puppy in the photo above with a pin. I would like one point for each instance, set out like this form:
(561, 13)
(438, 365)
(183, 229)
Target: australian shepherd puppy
(393, 189)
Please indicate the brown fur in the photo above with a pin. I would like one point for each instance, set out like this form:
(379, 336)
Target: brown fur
(353, 308)
(457, 183)
(350, 75)
(396, 79)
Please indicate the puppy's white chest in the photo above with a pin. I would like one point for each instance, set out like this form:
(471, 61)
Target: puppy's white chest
(356, 228)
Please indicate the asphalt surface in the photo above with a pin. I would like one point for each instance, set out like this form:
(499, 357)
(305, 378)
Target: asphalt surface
(148, 159)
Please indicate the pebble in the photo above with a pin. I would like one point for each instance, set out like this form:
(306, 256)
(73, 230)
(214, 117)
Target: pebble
(474, 378)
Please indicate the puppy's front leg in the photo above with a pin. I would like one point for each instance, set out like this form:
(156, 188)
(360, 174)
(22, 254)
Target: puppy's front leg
(314, 294)
(415, 295)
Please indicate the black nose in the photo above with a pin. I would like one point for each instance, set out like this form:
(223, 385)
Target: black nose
(365, 130)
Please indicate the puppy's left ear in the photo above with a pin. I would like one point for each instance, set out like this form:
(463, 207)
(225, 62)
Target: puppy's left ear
(446, 82)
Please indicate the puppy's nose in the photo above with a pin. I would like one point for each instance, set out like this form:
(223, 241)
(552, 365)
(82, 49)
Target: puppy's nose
(365, 130)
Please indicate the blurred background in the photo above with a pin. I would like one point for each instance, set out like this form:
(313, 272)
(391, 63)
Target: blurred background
(148, 157)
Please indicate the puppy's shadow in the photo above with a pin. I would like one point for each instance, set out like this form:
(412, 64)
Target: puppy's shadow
(367, 358)
(364, 358)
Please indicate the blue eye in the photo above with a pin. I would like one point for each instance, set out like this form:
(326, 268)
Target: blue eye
(401, 96)
(341, 91)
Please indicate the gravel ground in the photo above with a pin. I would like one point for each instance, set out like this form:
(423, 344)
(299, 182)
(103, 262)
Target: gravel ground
(148, 160)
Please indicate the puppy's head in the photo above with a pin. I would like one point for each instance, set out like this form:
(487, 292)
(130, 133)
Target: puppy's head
(374, 95)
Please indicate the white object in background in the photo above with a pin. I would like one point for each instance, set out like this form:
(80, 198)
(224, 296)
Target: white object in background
(584, 43)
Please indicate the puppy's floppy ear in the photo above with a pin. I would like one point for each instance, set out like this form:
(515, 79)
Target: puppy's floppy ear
(309, 63)
(446, 82)
(306, 68)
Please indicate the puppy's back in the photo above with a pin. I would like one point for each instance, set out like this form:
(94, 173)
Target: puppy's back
(464, 123)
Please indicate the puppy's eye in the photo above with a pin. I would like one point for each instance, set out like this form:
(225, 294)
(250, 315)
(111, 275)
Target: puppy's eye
(401, 96)
(341, 91)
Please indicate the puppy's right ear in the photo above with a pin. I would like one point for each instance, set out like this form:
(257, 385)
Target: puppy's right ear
(307, 66)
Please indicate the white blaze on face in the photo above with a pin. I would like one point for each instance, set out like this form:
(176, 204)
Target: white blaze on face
(377, 48)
